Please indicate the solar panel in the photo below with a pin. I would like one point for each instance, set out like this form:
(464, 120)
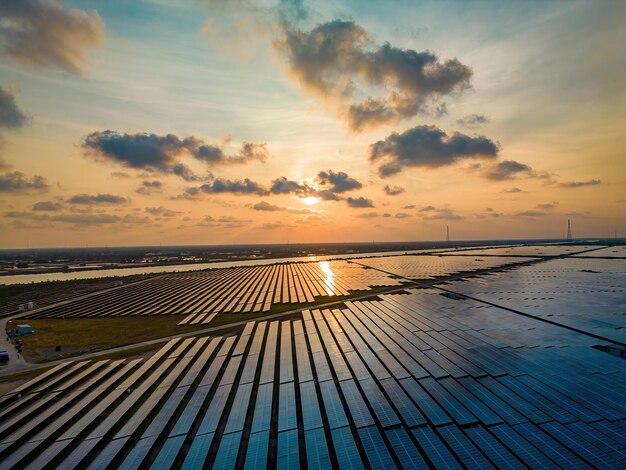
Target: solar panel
(346, 450)
(405, 450)
(198, 451)
(256, 454)
(316, 449)
(288, 454)
(377, 453)
(227, 452)
(358, 409)
(468, 453)
(262, 408)
(333, 406)
(287, 407)
(434, 449)
(311, 417)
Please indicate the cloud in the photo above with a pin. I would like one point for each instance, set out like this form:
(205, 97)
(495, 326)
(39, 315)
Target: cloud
(149, 187)
(161, 153)
(11, 117)
(512, 190)
(222, 222)
(433, 213)
(427, 147)
(338, 60)
(472, 121)
(507, 170)
(221, 185)
(410, 206)
(359, 202)
(17, 181)
(368, 215)
(162, 212)
(531, 213)
(284, 186)
(90, 199)
(579, 184)
(267, 207)
(402, 215)
(274, 226)
(547, 205)
(393, 190)
(47, 206)
(44, 33)
(337, 182)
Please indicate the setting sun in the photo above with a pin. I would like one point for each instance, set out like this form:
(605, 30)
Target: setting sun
(309, 201)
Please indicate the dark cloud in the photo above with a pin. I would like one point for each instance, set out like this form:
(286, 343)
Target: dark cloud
(11, 117)
(507, 170)
(90, 199)
(579, 184)
(161, 153)
(266, 206)
(149, 187)
(402, 215)
(428, 147)
(441, 213)
(162, 212)
(221, 185)
(359, 202)
(410, 206)
(284, 186)
(47, 206)
(336, 182)
(86, 219)
(46, 34)
(336, 60)
(393, 190)
(512, 190)
(472, 121)
(17, 181)
(547, 205)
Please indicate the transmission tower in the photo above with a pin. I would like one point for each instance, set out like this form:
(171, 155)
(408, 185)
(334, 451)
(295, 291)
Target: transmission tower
(447, 234)
(569, 231)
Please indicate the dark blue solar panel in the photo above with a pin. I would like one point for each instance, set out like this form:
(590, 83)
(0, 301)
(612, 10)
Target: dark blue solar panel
(332, 403)
(256, 455)
(168, 453)
(463, 448)
(227, 453)
(435, 449)
(493, 449)
(198, 451)
(287, 418)
(345, 448)
(521, 447)
(377, 453)
(358, 409)
(316, 449)
(379, 403)
(476, 407)
(406, 408)
(263, 408)
(311, 416)
(452, 406)
(238, 411)
(405, 450)
(492, 401)
(429, 407)
(288, 454)
(549, 446)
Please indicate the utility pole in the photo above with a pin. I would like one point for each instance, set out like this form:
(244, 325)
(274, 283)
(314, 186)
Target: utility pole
(447, 234)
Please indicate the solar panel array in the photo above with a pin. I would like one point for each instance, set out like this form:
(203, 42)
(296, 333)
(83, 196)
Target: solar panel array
(608, 252)
(413, 379)
(432, 267)
(201, 295)
(527, 250)
(587, 294)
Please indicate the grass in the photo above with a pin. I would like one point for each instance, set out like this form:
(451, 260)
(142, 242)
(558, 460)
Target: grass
(83, 335)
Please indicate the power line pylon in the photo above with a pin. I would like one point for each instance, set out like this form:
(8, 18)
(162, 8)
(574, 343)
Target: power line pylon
(569, 231)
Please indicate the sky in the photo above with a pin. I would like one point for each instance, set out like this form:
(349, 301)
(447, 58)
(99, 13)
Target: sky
(216, 122)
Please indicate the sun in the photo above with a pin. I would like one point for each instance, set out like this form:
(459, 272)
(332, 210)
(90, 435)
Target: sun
(309, 201)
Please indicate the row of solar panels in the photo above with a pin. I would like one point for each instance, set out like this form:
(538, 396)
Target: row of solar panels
(411, 380)
(242, 289)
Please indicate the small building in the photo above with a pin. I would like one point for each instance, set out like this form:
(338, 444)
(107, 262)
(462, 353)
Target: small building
(26, 306)
(4, 356)
(22, 330)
